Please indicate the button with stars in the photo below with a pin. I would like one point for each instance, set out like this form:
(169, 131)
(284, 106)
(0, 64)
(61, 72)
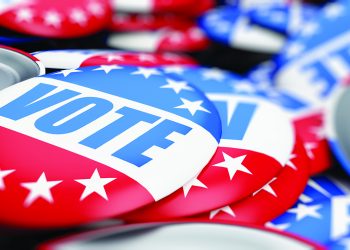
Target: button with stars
(74, 58)
(257, 141)
(198, 235)
(17, 65)
(57, 19)
(231, 26)
(316, 59)
(97, 142)
(321, 213)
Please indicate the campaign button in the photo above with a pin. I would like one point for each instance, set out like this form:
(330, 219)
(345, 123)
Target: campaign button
(74, 58)
(257, 141)
(316, 59)
(321, 212)
(230, 26)
(97, 142)
(17, 66)
(57, 19)
(337, 125)
(198, 235)
(185, 39)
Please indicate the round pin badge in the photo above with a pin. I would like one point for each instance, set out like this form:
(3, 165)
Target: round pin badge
(114, 138)
(186, 39)
(198, 234)
(17, 66)
(257, 140)
(337, 125)
(69, 59)
(273, 199)
(315, 60)
(58, 19)
(321, 213)
(230, 26)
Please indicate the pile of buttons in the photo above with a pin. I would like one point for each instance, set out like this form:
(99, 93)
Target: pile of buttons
(119, 129)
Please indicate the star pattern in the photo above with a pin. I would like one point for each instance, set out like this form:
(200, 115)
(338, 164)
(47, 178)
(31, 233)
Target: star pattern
(194, 182)
(78, 16)
(95, 184)
(67, 72)
(267, 188)
(243, 87)
(233, 164)
(52, 18)
(333, 10)
(146, 72)
(24, 15)
(114, 57)
(290, 162)
(3, 174)
(107, 68)
(39, 189)
(310, 29)
(177, 86)
(174, 69)
(310, 146)
(294, 49)
(192, 106)
(226, 209)
(213, 74)
(302, 211)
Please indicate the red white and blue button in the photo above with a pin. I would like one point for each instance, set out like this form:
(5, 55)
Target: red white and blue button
(114, 138)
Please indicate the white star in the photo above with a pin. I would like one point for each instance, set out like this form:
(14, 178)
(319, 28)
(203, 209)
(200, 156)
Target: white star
(176, 37)
(3, 174)
(243, 86)
(294, 49)
(194, 182)
(177, 86)
(267, 188)
(280, 227)
(96, 9)
(78, 16)
(39, 189)
(171, 57)
(290, 162)
(67, 72)
(107, 68)
(146, 72)
(303, 211)
(310, 29)
(213, 74)
(333, 10)
(24, 15)
(319, 132)
(196, 33)
(225, 209)
(146, 58)
(52, 18)
(174, 69)
(345, 243)
(309, 146)
(95, 185)
(233, 164)
(114, 57)
(192, 107)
